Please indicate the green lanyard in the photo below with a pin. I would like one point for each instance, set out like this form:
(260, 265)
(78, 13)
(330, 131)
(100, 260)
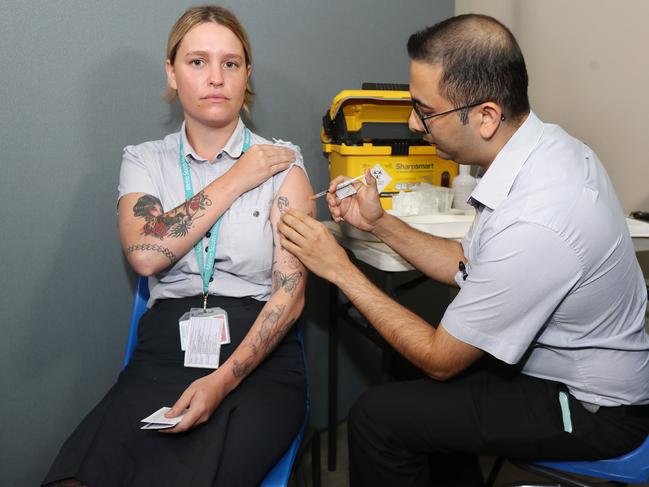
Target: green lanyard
(206, 270)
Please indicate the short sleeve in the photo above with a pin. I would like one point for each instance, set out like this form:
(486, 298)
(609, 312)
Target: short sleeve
(466, 243)
(134, 174)
(520, 277)
(278, 180)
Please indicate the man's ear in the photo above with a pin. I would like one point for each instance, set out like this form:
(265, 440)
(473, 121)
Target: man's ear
(491, 116)
(171, 75)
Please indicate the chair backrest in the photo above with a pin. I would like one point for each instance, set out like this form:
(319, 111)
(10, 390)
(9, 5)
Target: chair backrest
(138, 309)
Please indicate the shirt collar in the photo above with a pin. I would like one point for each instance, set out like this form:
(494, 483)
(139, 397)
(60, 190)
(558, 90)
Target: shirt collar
(188, 150)
(497, 181)
(233, 147)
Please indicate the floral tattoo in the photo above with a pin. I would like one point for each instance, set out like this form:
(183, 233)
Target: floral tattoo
(175, 223)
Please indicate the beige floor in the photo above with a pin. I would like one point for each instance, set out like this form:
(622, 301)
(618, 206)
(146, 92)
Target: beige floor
(339, 478)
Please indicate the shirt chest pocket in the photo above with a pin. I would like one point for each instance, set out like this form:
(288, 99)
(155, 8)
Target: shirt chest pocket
(246, 239)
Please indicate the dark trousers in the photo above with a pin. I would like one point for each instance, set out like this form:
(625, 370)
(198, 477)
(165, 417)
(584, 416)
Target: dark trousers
(425, 432)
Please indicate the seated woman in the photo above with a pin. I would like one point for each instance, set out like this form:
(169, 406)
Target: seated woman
(219, 244)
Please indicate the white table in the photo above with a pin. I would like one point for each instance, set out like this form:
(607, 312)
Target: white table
(382, 257)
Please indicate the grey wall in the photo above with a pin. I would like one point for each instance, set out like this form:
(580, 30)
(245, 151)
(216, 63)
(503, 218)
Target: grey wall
(82, 79)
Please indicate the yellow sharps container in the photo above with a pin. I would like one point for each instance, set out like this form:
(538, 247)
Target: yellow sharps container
(369, 128)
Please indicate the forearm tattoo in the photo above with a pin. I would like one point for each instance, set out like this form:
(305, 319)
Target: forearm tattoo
(174, 223)
(152, 247)
(271, 332)
(288, 282)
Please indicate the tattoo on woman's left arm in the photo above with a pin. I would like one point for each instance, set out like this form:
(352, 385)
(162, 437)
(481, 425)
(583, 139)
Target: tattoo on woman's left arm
(283, 204)
(288, 282)
(270, 333)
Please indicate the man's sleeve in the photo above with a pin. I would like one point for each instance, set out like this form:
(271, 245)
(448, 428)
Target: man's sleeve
(518, 280)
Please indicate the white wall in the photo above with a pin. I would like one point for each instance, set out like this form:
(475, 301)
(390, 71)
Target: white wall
(588, 63)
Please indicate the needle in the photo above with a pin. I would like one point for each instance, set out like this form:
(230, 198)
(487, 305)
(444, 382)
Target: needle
(340, 186)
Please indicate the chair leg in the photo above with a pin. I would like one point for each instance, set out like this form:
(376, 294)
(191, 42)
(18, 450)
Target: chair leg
(311, 438)
(298, 475)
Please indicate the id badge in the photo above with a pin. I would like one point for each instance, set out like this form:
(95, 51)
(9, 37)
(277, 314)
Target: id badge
(183, 324)
(183, 329)
(204, 341)
(225, 330)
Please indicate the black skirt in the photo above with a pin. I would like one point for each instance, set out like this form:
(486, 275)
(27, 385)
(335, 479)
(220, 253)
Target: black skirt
(247, 434)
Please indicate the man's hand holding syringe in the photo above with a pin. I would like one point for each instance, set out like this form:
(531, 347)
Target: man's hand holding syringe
(363, 210)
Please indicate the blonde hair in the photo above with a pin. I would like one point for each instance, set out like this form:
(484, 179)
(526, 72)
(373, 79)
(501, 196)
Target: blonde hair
(199, 15)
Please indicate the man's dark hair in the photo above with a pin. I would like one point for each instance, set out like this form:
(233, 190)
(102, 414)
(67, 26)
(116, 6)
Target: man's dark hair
(480, 59)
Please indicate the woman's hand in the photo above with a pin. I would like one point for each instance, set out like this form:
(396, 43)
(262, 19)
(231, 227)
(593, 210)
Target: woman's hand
(259, 163)
(199, 400)
(362, 210)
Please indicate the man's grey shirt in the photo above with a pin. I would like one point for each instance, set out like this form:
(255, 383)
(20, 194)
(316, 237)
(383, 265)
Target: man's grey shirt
(553, 280)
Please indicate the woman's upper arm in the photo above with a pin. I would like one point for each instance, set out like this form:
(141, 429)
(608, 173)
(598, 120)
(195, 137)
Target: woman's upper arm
(141, 232)
(134, 211)
(137, 202)
(288, 272)
(294, 192)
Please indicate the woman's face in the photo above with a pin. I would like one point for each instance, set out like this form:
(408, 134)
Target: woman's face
(210, 75)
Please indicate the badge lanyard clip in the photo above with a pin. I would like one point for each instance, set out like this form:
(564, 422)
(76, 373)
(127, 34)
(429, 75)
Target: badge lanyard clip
(205, 266)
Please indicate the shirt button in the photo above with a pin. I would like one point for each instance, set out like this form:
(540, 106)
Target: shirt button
(219, 156)
(208, 235)
(207, 249)
(255, 213)
(211, 279)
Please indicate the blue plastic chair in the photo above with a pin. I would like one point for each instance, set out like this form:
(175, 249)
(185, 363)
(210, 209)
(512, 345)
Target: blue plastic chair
(631, 468)
(279, 475)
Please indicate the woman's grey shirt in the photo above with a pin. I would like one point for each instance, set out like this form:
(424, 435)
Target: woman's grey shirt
(244, 252)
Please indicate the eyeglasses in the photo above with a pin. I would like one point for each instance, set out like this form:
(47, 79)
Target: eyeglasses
(423, 117)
